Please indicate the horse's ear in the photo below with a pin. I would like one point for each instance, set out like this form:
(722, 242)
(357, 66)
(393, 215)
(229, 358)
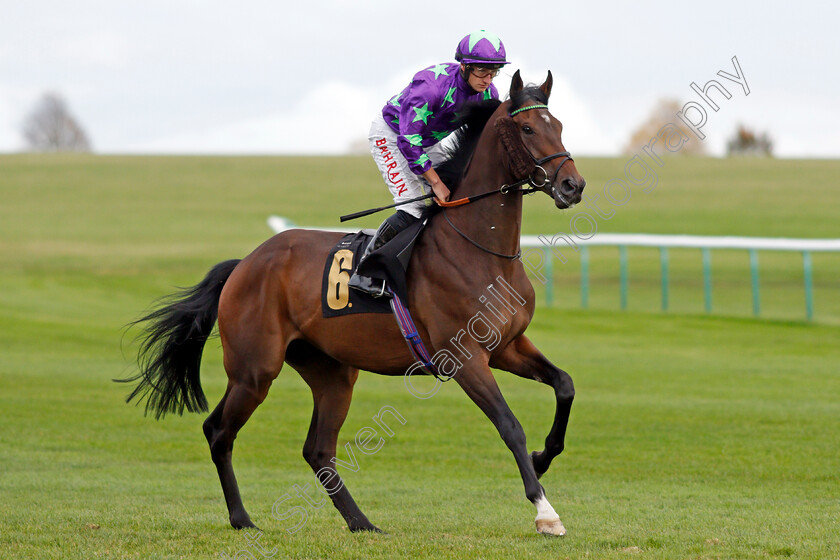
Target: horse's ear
(516, 84)
(546, 87)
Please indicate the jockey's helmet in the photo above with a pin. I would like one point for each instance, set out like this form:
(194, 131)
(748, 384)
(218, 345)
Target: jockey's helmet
(481, 48)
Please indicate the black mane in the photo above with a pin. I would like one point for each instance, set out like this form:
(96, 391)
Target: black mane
(473, 117)
(471, 122)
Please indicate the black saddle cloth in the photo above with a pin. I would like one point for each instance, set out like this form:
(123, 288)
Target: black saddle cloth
(388, 263)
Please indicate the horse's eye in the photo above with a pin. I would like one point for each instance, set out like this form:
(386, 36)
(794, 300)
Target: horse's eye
(527, 129)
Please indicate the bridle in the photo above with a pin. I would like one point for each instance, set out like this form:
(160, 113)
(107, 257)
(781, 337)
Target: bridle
(516, 187)
(538, 163)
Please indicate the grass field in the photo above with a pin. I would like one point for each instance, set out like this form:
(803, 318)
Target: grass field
(692, 436)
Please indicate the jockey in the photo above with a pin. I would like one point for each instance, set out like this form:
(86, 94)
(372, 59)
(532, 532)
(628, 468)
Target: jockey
(405, 137)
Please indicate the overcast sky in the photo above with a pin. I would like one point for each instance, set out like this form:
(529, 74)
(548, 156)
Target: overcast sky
(275, 77)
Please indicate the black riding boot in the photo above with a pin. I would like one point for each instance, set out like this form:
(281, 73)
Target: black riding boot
(386, 232)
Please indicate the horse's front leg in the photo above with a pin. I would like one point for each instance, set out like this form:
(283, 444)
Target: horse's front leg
(481, 387)
(522, 358)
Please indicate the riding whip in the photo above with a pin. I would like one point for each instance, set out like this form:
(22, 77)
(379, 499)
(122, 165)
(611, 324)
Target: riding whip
(375, 210)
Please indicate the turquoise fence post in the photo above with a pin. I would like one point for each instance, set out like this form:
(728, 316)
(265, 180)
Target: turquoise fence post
(584, 277)
(707, 279)
(809, 285)
(663, 259)
(756, 297)
(622, 253)
(549, 272)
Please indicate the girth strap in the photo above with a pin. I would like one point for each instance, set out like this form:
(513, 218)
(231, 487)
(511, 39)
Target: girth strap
(412, 337)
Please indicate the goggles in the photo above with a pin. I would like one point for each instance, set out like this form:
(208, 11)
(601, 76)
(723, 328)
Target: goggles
(483, 72)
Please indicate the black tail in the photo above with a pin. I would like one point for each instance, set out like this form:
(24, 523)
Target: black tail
(170, 354)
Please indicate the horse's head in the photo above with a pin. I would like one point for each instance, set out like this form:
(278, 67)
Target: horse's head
(531, 138)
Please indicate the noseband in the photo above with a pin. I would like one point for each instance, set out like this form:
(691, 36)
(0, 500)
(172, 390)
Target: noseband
(531, 179)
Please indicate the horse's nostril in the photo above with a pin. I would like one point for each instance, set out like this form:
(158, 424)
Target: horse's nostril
(568, 187)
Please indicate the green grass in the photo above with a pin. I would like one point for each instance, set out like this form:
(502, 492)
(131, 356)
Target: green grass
(692, 436)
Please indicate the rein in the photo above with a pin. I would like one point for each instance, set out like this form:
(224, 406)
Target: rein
(514, 187)
(485, 249)
(505, 189)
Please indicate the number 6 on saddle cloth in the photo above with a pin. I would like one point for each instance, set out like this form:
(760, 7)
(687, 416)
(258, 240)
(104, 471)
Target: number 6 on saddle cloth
(388, 263)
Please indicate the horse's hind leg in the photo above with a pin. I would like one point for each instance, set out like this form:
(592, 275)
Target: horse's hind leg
(332, 389)
(248, 384)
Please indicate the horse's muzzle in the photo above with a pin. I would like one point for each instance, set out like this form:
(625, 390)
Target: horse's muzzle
(568, 192)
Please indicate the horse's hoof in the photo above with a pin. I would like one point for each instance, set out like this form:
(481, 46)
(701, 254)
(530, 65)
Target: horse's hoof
(552, 527)
(368, 528)
(242, 523)
(536, 456)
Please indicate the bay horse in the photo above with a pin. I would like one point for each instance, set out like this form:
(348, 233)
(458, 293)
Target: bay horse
(268, 308)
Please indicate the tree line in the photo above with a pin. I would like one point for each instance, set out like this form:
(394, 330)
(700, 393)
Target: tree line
(743, 142)
(51, 127)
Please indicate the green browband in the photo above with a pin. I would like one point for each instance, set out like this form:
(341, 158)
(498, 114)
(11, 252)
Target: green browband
(528, 107)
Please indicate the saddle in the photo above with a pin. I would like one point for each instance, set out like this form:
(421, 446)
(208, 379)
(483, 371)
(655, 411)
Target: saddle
(389, 263)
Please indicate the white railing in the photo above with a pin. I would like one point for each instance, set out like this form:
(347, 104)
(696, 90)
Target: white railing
(539, 259)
